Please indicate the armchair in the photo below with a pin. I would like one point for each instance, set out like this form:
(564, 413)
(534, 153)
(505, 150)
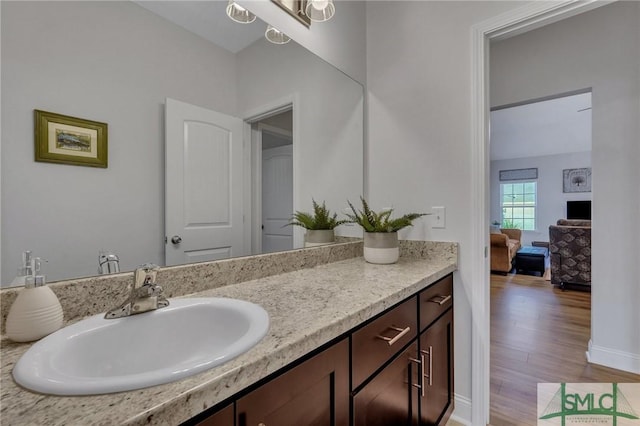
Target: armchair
(570, 252)
(504, 245)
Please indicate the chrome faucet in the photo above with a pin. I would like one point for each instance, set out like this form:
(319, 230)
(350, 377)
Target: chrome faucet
(108, 263)
(145, 295)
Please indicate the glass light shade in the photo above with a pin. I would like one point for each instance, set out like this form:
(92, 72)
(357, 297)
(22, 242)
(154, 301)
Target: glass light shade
(239, 13)
(276, 36)
(320, 10)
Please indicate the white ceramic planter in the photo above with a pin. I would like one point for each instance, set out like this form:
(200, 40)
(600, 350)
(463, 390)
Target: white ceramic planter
(319, 237)
(381, 247)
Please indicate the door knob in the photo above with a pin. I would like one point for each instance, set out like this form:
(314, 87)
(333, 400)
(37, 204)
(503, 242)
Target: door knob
(176, 239)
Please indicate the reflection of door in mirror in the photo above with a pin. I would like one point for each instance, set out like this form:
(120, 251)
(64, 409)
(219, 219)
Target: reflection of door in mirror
(203, 184)
(277, 191)
(272, 139)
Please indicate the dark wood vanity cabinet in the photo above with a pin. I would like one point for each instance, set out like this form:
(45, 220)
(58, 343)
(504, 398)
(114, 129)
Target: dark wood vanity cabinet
(223, 417)
(390, 397)
(315, 393)
(436, 348)
(416, 387)
(396, 369)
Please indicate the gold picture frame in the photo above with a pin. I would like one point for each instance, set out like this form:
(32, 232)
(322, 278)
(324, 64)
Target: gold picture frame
(70, 140)
(295, 8)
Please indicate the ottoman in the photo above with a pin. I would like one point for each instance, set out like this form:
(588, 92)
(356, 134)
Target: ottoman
(531, 259)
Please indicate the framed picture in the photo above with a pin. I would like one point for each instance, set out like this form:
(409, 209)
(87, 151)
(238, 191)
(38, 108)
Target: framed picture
(576, 180)
(70, 140)
(295, 8)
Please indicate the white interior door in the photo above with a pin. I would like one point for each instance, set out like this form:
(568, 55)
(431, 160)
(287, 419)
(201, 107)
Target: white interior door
(277, 198)
(203, 184)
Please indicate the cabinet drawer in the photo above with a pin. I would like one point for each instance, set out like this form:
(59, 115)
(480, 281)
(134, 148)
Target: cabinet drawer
(435, 300)
(381, 339)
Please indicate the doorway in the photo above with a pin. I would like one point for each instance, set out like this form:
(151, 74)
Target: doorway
(532, 143)
(509, 24)
(272, 182)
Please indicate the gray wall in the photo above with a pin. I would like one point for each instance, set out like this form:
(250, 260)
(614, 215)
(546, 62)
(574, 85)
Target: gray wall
(341, 41)
(109, 62)
(551, 201)
(419, 97)
(598, 49)
(329, 162)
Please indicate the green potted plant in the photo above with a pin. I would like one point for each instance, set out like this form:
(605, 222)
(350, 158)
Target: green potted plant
(381, 232)
(509, 224)
(320, 225)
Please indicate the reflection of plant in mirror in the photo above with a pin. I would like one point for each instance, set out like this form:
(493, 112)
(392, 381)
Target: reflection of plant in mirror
(380, 222)
(320, 219)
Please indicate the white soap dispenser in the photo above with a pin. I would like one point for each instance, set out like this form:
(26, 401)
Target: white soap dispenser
(36, 312)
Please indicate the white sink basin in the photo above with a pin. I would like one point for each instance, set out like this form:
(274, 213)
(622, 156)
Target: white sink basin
(96, 355)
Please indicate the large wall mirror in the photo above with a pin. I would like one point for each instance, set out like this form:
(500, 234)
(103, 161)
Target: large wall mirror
(136, 66)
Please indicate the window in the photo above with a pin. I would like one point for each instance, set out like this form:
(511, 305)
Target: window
(518, 205)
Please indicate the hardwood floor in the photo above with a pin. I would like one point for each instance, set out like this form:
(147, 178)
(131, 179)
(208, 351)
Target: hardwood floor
(538, 334)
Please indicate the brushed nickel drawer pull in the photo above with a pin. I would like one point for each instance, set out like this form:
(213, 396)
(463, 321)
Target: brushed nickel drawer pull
(392, 340)
(442, 301)
(430, 375)
(422, 375)
(421, 384)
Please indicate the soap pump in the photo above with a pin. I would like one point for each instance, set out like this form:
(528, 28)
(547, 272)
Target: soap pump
(36, 312)
(24, 271)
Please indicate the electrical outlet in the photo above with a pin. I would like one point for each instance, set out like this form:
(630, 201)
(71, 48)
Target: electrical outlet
(438, 217)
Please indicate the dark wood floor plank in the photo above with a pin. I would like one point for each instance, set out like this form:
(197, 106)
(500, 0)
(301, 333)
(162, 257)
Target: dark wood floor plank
(539, 334)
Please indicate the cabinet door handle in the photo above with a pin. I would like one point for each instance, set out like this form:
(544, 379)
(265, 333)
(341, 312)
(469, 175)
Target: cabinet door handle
(430, 375)
(441, 301)
(420, 384)
(392, 340)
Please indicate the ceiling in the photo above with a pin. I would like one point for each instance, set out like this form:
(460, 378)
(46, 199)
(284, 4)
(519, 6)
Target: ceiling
(550, 127)
(209, 20)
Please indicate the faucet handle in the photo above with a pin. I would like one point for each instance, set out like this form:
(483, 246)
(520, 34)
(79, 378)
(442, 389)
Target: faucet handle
(149, 267)
(145, 274)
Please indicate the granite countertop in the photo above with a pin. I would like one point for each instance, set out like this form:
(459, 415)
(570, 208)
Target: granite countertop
(307, 309)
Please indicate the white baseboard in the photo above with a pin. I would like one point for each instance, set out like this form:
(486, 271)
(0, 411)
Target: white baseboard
(620, 360)
(462, 412)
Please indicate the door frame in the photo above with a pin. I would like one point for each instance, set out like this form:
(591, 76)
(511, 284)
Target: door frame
(253, 167)
(256, 204)
(529, 17)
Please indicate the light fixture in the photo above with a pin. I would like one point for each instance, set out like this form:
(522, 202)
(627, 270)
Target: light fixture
(320, 10)
(276, 36)
(239, 13)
